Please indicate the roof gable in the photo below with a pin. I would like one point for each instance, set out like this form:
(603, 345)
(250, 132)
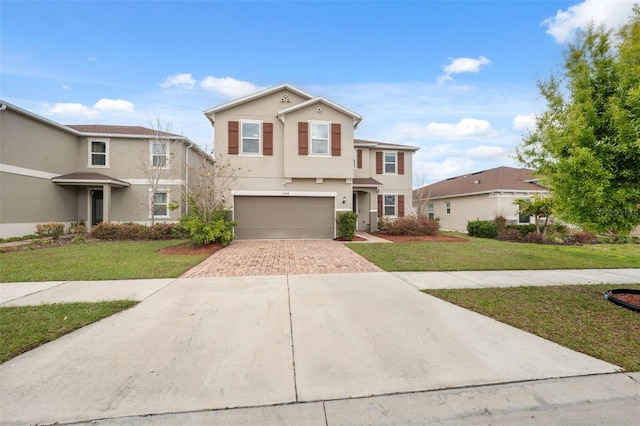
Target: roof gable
(255, 96)
(497, 179)
(356, 118)
(105, 129)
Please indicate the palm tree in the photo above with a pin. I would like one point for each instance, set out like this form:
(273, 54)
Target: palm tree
(536, 206)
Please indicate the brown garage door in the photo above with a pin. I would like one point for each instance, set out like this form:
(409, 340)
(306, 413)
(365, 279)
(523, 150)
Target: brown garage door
(283, 217)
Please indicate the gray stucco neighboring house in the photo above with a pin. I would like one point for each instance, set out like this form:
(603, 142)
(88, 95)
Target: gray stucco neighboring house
(480, 195)
(51, 172)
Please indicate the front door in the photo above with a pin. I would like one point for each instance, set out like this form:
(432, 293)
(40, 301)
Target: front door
(97, 198)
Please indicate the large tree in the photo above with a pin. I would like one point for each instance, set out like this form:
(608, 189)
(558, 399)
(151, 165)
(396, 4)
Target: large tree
(586, 145)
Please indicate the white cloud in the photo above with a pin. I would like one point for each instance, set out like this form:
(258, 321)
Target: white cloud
(181, 81)
(91, 58)
(72, 110)
(65, 87)
(460, 65)
(83, 111)
(526, 122)
(609, 13)
(229, 87)
(486, 153)
(467, 128)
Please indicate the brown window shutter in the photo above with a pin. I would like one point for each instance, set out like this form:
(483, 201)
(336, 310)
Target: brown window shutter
(380, 207)
(336, 140)
(303, 138)
(379, 163)
(233, 137)
(400, 205)
(401, 163)
(267, 138)
(359, 160)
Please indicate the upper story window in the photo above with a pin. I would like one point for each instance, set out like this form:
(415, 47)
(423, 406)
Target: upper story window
(390, 163)
(99, 153)
(250, 137)
(319, 138)
(159, 154)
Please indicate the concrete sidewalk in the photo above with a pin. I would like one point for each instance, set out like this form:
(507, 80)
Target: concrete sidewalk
(331, 349)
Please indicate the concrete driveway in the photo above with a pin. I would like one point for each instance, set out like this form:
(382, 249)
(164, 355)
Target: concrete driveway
(303, 349)
(243, 258)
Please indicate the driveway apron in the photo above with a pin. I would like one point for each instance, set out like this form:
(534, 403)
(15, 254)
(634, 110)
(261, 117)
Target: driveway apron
(281, 257)
(215, 343)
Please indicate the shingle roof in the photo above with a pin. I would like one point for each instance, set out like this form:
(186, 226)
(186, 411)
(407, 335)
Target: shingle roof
(384, 145)
(366, 182)
(500, 178)
(118, 130)
(88, 178)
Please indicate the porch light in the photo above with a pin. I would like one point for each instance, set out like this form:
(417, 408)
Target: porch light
(344, 200)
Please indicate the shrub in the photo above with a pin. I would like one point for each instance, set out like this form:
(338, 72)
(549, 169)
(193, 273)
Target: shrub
(51, 229)
(501, 225)
(347, 222)
(217, 228)
(133, 231)
(511, 234)
(412, 225)
(383, 224)
(533, 237)
(482, 228)
(524, 229)
(583, 237)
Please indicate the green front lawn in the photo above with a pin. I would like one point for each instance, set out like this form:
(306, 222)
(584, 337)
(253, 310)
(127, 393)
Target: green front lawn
(479, 254)
(23, 328)
(577, 317)
(113, 260)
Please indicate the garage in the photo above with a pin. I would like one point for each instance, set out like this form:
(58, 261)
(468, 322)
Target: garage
(266, 217)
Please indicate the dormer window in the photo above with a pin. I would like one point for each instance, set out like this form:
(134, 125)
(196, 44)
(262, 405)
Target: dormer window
(250, 136)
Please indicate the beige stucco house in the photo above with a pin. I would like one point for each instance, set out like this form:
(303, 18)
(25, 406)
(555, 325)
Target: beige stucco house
(55, 173)
(481, 195)
(297, 165)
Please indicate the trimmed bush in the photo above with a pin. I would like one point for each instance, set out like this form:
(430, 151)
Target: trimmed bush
(524, 229)
(133, 231)
(412, 225)
(482, 228)
(347, 222)
(51, 229)
(532, 237)
(583, 237)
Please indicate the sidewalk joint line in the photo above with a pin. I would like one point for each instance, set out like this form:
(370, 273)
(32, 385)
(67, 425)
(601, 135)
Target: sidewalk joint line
(324, 409)
(293, 350)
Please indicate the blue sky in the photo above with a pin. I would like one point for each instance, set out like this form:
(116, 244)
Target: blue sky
(456, 78)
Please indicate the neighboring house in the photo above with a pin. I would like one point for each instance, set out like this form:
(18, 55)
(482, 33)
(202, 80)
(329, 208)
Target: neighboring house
(55, 173)
(481, 195)
(298, 165)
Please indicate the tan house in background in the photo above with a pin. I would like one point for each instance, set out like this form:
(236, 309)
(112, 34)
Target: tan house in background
(298, 166)
(55, 173)
(480, 195)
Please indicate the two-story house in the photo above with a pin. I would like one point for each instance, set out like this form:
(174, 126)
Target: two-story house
(296, 165)
(55, 173)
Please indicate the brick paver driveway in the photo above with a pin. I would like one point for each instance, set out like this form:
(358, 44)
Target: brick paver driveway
(281, 257)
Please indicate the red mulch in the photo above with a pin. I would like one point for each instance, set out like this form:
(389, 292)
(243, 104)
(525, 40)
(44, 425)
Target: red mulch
(188, 249)
(426, 238)
(355, 238)
(631, 298)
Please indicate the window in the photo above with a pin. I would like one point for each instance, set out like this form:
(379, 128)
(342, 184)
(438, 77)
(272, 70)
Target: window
(448, 207)
(390, 162)
(319, 138)
(389, 205)
(250, 136)
(160, 204)
(98, 153)
(523, 218)
(431, 211)
(159, 154)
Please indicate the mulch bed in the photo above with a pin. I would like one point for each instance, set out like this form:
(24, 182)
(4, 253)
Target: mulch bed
(189, 249)
(426, 238)
(355, 238)
(633, 299)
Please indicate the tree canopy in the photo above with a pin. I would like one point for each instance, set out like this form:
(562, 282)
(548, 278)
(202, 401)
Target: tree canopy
(586, 144)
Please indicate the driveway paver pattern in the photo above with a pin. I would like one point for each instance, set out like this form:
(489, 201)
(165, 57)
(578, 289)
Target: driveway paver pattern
(281, 257)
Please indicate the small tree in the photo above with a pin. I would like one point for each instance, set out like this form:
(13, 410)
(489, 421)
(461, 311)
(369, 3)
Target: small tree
(536, 206)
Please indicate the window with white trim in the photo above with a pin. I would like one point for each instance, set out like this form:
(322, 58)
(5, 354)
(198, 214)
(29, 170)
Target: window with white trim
(250, 137)
(432, 214)
(160, 204)
(390, 163)
(98, 153)
(448, 205)
(390, 204)
(319, 138)
(160, 154)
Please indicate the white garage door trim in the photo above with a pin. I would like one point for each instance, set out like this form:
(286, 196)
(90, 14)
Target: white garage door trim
(242, 192)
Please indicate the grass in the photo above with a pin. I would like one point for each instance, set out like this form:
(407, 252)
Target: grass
(479, 254)
(116, 260)
(23, 328)
(578, 317)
